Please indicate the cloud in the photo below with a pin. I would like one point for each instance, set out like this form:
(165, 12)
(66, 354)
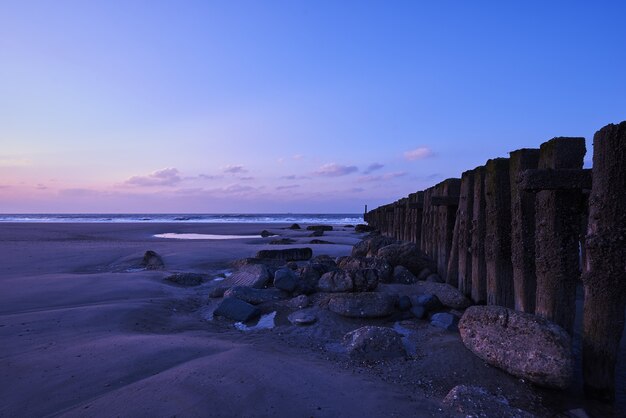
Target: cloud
(293, 177)
(14, 161)
(298, 157)
(418, 153)
(381, 177)
(246, 178)
(208, 177)
(373, 167)
(41, 187)
(335, 170)
(237, 188)
(164, 177)
(292, 186)
(234, 169)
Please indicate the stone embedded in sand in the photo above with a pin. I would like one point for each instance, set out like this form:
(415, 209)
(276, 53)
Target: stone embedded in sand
(474, 401)
(237, 310)
(374, 343)
(253, 275)
(406, 254)
(254, 296)
(185, 279)
(319, 228)
(152, 261)
(287, 254)
(448, 295)
(335, 281)
(362, 305)
(298, 302)
(320, 241)
(317, 233)
(524, 345)
(265, 233)
(285, 279)
(403, 276)
(303, 317)
(282, 241)
(360, 228)
(294, 226)
(445, 321)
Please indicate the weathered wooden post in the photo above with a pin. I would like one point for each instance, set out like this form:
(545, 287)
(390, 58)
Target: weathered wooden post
(605, 273)
(460, 265)
(523, 230)
(399, 219)
(446, 203)
(498, 233)
(416, 204)
(559, 181)
(427, 224)
(479, 268)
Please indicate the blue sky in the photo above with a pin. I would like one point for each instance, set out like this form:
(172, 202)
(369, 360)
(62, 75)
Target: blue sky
(285, 106)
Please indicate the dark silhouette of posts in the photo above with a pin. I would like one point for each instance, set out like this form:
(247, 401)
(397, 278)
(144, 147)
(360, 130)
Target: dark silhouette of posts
(460, 264)
(426, 242)
(416, 209)
(557, 231)
(445, 203)
(605, 272)
(479, 267)
(523, 230)
(498, 233)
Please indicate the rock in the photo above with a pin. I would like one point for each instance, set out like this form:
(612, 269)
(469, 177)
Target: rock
(448, 295)
(253, 275)
(265, 233)
(298, 302)
(419, 312)
(474, 401)
(186, 279)
(424, 274)
(294, 226)
(430, 302)
(406, 254)
(254, 296)
(360, 228)
(317, 233)
(152, 261)
(302, 317)
(354, 263)
(287, 254)
(309, 277)
(319, 241)
(325, 263)
(217, 292)
(369, 246)
(292, 265)
(285, 279)
(319, 228)
(271, 265)
(237, 310)
(362, 305)
(403, 276)
(371, 343)
(348, 226)
(364, 280)
(404, 303)
(434, 278)
(445, 320)
(336, 281)
(282, 241)
(524, 345)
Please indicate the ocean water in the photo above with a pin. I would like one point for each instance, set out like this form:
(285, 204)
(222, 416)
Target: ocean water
(317, 218)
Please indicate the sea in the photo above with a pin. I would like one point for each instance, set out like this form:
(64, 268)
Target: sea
(305, 218)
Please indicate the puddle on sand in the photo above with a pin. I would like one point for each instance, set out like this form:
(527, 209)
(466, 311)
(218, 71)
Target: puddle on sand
(265, 322)
(173, 235)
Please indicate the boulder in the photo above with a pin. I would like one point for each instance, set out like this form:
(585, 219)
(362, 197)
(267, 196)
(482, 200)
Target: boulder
(445, 321)
(360, 228)
(406, 254)
(217, 292)
(254, 296)
(348, 226)
(237, 310)
(336, 281)
(299, 302)
(319, 241)
(364, 280)
(403, 276)
(474, 401)
(434, 277)
(292, 265)
(319, 228)
(265, 233)
(294, 226)
(309, 277)
(419, 312)
(430, 302)
(252, 275)
(282, 241)
(369, 246)
(186, 279)
(152, 261)
(317, 233)
(362, 305)
(287, 254)
(448, 295)
(524, 345)
(371, 343)
(354, 263)
(325, 263)
(302, 317)
(271, 265)
(285, 279)
(404, 303)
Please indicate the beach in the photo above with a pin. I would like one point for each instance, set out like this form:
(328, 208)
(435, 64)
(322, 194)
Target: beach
(87, 333)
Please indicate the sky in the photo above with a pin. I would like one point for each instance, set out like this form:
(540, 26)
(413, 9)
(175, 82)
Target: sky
(288, 106)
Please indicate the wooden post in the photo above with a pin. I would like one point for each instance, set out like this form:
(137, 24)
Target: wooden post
(463, 231)
(523, 230)
(557, 220)
(605, 272)
(446, 204)
(416, 203)
(479, 268)
(427, 224)
(498, 233)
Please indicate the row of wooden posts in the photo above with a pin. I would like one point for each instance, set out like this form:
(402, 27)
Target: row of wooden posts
(522, 231)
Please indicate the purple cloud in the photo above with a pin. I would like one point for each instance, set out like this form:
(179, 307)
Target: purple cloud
(373, 167)
(292, 186)
(246, 178)
(164, 177)
(335, 170)
(381, 177)
(418, 153)
(235, 169)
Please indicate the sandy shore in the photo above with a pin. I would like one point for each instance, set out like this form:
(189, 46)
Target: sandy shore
(83, 334)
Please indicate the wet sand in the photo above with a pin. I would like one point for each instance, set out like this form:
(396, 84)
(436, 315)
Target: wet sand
(84, 333)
